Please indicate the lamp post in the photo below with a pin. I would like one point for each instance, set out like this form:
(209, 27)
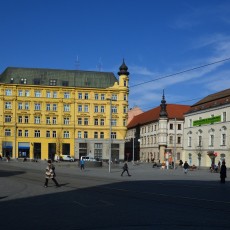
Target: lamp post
(133, 145)
(110, 131)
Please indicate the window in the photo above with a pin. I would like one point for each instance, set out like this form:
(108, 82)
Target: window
(102, 135)
(66, 95)
(36, 133)
(96, 109)
(179, 127)
(37, 93)
(79, 108)
(48, 121)
(79, 121)
(224, 139)
(26, 133)
(125, 83)
(66, 107)
(54, 120)
(8, 118)
(53, 82)
(79, 95)
(48, 94)
(86, 96)
(96, 96)
(66, 120)
(114, 109)
(66, 134)
(171, 140)
(48, 107)
(102, 109)
(224, 117)
(98, 150)
(189, 141)
(7, 132)
(113, 135)
(37, 120)
(102, 97)
(86, 121)
(54, 94)
(27, 93)
(19, 105)
(65, 83)
(7, 105)
(178, 140)
(27, 105)
(37, 81)
(37, 106)
(54, 107)
(79, 134)
(23, 80)
(125, 97)
(47, 133)
(8, 92)
(200, 141)
(211, 140)
(20, 93)
(190, 122)
(26, 119)
(114, 122)
(102, 122)
(125, 109)
(54, 134)
(95, 121)
(86, 109)
(95, 134)
(171, 126)
(19, 119)
(20, 133)
(114, 97)
(85, 134)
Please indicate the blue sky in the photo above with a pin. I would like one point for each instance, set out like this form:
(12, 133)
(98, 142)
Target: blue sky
(155, 37)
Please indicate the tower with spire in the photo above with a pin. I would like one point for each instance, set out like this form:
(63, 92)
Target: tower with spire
(163, 129)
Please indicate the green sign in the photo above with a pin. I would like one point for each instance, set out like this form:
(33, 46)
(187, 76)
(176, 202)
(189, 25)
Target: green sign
(207, 121)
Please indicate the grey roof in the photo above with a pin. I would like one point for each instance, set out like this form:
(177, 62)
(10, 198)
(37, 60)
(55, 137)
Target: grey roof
(74, 78)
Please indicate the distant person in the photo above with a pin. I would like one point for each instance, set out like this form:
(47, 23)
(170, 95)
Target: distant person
(180, 163)
(82, 164)
(0, 156)
(186, 166)
(50, 174)
(125, 169)
(223, 172)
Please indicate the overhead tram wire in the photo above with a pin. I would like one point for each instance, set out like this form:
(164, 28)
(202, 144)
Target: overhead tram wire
(181, 72)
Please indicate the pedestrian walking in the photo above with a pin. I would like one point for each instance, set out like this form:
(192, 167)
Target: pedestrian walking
(186, 166)
(125, 169)
(50, 174)
(223, 172)
(82, 164)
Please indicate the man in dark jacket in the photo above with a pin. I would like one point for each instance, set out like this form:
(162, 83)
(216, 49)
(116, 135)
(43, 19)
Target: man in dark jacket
(186, 166)
(125, 168)
(223, 172)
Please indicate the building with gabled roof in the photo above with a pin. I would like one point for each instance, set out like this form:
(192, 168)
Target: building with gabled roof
(206, 130)
(157, 132)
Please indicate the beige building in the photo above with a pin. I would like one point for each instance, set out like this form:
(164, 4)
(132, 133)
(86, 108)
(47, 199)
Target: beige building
(64, 112)
(206, 130)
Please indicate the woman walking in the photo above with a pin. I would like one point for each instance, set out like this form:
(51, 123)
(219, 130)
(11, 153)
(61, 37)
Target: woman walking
(50, 174)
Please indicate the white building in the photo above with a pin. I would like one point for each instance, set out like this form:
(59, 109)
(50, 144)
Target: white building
(207, 130)
(159, 132)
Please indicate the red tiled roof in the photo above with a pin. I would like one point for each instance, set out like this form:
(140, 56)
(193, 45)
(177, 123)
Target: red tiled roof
(173, 110)
(212, 100)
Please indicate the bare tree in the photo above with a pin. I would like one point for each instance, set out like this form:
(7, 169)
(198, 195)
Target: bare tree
(59, 145)
(199, 152)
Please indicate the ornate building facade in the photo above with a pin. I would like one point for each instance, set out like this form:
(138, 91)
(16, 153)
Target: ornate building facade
(64, 112)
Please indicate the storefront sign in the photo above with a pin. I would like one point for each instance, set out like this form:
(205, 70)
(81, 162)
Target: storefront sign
(207, 121)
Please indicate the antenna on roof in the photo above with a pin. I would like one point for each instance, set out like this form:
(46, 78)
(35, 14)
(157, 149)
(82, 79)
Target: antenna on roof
(77, 63)
(99, 65)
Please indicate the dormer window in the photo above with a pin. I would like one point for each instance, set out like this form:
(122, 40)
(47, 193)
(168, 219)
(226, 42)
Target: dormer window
(37, 81)
(23, 81)
(11, 80)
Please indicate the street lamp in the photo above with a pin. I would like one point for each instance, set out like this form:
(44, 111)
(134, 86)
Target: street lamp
(110, 132)
(133, 145)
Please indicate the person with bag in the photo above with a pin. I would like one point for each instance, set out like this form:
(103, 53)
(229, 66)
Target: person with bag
(50, 174)
(125, 169)
(186, 166)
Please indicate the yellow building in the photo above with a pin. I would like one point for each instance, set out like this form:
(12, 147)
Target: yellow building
(64, 112)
